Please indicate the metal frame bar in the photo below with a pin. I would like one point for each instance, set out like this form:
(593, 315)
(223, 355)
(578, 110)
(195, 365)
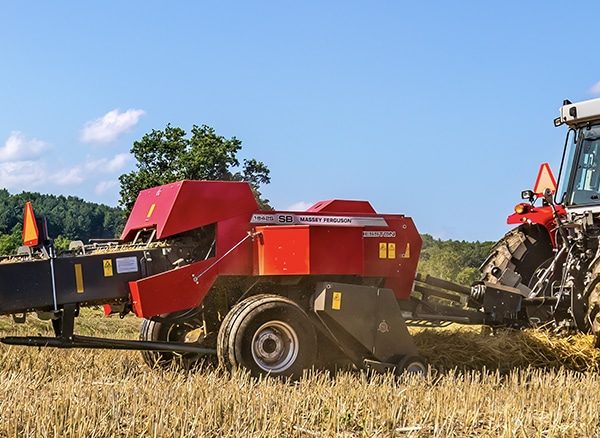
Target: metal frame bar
(76, 341)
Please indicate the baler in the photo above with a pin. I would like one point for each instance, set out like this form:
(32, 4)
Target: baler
(272, 292)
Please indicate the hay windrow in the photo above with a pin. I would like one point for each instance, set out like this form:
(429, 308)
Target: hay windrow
(467, 348)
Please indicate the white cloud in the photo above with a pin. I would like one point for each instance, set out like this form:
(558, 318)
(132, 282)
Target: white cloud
(595, 89)
(80, 172)
(110, 126)
(22, 175)
(105, 186)
(19, 148)
(68, 177)
(24, 167)
(300, 206)
(117, 162)
(106, 165)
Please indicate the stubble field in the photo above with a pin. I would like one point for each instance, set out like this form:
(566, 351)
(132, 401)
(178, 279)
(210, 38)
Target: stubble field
(493, 392)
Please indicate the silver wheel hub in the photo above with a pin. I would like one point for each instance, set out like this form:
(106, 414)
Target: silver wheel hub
(416, 368)
(275, 346)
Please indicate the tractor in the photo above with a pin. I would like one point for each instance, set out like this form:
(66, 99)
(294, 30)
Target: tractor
(553, 253)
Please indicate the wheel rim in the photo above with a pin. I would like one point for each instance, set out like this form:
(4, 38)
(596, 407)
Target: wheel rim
(416, 367)
(186, 333)
(183, 332)
(275, 346)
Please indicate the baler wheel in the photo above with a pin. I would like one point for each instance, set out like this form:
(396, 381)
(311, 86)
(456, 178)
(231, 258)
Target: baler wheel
(412, 365)
(267, 335)
(170, 328)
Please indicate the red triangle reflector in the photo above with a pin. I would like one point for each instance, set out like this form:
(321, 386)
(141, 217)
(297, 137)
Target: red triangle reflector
(545, 180)
(31, 235)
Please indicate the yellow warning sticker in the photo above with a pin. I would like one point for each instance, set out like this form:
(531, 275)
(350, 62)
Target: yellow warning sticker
(391, 250)
(336, 301)
(78, 278)
(406, 254)
(382, 250)
(108, 269)
(150, 211)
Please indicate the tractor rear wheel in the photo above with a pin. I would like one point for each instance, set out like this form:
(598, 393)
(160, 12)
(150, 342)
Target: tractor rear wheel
(174, 327)
(267, 335)
(516, 257)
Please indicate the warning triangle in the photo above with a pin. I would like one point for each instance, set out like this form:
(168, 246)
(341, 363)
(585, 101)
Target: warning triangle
(30, 229)
(545, 180)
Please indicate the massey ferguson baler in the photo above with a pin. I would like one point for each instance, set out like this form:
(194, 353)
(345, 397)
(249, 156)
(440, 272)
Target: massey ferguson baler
(271, 292)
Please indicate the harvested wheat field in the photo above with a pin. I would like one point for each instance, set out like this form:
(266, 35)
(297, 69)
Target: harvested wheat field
(493, 393)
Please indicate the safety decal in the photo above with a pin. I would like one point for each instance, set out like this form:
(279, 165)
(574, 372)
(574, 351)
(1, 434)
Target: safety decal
(391, 250)
(78, 278)
(108, 267)
(336, 301)
(388, 250)
(382, 250)
(150, 211)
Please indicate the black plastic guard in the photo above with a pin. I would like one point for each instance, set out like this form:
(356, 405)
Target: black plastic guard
(365, 320)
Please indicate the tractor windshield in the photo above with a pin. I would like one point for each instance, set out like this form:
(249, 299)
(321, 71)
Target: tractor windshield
(586, 182)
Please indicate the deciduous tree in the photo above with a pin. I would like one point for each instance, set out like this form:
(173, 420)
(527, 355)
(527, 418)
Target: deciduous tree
(169, 155)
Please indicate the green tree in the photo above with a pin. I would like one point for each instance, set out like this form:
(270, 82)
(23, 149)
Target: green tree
(453, 260)
(68, 216)
(169, 155)
(10, 242)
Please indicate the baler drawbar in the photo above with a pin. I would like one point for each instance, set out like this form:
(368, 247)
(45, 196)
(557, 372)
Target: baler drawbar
(272, 292)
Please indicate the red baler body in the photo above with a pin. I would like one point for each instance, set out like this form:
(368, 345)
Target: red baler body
(332, 238)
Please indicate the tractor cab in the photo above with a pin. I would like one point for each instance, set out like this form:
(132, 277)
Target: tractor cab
(579, 178)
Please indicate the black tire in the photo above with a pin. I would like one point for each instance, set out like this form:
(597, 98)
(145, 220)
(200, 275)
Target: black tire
(412, 365)
(170, 328)
(267, 335)
(516, 257)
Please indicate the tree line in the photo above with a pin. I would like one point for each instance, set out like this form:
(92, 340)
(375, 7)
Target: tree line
(453, 260)
(68, 218)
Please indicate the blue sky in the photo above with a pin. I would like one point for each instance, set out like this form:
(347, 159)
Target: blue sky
(439, 110)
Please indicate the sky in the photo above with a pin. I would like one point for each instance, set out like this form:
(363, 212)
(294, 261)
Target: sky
(441, 111)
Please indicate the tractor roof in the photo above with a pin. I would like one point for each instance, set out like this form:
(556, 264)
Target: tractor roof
(574, 114)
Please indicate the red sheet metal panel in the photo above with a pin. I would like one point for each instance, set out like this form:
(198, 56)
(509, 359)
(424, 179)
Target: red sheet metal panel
(173, 290)
(342, 206)
(309, 250)
(393, 253)
(185, 205)
(229, 233)
(283, 250)
(390, 252)
(336, 250)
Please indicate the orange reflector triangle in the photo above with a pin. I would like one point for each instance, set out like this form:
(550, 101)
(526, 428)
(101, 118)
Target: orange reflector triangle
(30, 230)
(545, 180)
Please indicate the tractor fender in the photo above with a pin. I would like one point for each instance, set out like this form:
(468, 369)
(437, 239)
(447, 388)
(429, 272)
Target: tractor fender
(539, 216)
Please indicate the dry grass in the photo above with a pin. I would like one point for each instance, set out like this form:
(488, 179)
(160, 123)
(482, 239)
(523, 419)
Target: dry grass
(466, 348)
(90, 393)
